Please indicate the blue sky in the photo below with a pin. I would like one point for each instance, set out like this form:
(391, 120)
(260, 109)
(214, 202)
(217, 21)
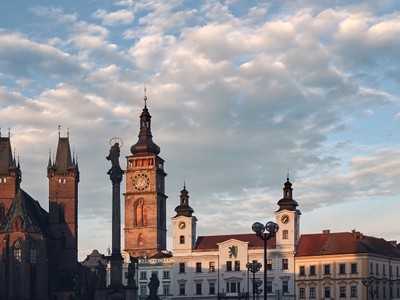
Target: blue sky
(240, 93)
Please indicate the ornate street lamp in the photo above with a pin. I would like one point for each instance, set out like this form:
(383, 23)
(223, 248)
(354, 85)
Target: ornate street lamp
(254, 267)
(368, 283)
(265, 233)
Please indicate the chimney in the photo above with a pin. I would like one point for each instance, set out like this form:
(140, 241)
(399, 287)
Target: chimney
(326, 231)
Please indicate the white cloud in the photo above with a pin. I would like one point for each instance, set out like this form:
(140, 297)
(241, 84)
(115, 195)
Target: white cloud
(122, 16)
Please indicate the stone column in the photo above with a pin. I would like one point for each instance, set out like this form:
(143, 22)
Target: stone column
(116, 174)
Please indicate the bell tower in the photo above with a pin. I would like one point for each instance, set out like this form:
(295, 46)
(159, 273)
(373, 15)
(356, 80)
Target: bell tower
(10, 176)
(63, 174)
(288, 219)
(145, 199)
(184, 225)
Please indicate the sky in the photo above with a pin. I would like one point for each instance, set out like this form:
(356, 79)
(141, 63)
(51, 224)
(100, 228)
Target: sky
(241, 94)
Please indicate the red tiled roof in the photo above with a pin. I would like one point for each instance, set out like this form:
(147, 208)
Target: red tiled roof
(160, 254)
(342, 243)
(209, 243)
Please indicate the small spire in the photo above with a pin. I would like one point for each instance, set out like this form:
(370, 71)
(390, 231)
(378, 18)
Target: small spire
(0, 132)
(184, 183)
(287, 177)
(18, 164)
(59, 131)
(49, 163)
(67, 132)
(145, 96)
(9, 132)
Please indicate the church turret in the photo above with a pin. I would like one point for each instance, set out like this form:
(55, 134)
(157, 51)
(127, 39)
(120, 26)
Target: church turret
(288, 219)
(184, 225)
(287, 202)
(10, 176)
(183, 209)
(63, 176)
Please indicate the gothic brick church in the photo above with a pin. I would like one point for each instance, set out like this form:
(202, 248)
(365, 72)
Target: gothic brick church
(38, 249)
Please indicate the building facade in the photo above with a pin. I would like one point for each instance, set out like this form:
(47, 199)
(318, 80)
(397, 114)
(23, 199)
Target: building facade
(38, 249)
(211, 267)
(347, 265)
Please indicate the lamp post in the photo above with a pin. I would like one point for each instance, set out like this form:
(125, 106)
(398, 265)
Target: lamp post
(265, 233)
(368, 282)
(254, 267)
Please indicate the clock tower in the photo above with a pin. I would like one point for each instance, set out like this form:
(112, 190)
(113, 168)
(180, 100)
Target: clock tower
(145, 199)
(288, 219)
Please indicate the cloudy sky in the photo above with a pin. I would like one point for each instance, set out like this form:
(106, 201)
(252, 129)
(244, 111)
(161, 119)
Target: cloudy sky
(241, 93)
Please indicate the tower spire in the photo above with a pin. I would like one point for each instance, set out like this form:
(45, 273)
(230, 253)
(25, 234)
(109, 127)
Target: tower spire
(145, 144)
(183, 209)
(287, 202)
(145, 96)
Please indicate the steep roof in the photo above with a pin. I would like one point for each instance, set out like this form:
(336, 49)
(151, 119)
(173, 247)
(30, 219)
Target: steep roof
(327, 243)
(145, 144)
(34, 217)
(210, 243)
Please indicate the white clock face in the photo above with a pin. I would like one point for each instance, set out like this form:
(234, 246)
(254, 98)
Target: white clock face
(141, 182)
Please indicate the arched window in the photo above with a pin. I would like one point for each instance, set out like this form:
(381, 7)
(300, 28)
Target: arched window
(140, 213)
(285, 234)
(61, 213)
(140, 239)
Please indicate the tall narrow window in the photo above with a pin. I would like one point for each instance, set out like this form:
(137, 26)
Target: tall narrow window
(2, 212)
(63, 240)
(342, 269)
(302, 271)
(211, 266)
(285, 234)
(140, 211)
(312, 271)
(229, 265)
(269, 264)
(181, 267)
(354, 268)
(182, 289)
(327, 292)
(285, 286)
(17, 259)
(166, 288)
(32, 269)
(61, 213)
(285, 264)
(198, 267)
(212, 288)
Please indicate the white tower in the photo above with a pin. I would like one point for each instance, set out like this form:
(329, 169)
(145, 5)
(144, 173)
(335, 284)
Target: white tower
(184, 225)
(288, 219)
